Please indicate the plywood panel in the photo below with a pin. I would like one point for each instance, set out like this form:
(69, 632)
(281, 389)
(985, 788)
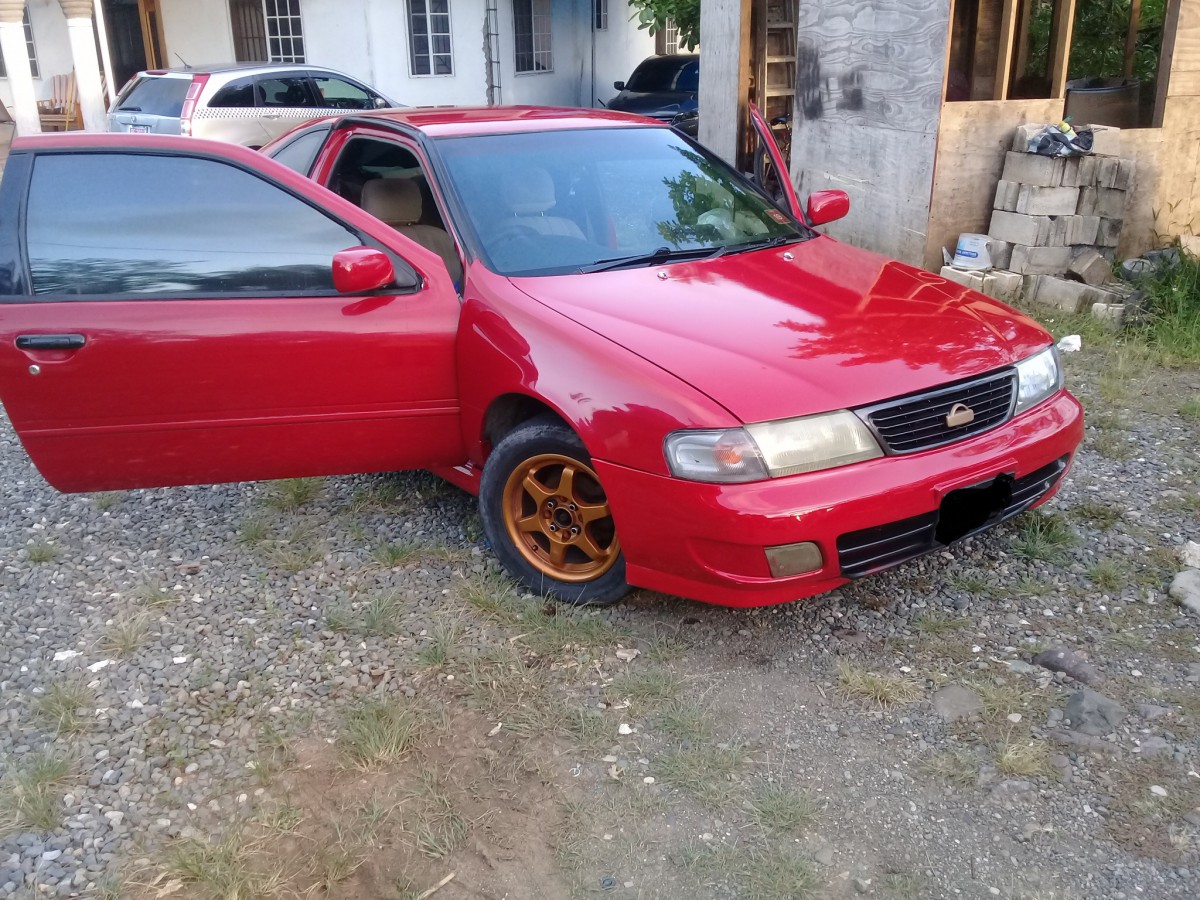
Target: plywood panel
(972, 141)
(1184, 84)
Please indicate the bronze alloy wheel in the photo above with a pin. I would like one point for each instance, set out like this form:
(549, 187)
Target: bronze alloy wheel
(558, 518)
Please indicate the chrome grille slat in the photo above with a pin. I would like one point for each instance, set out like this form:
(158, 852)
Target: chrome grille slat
(917, 422)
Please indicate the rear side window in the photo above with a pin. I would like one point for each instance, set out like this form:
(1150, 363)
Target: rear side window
(236, 94)
(299, 153)
(156, 95)
(108, 223)
(287, 91)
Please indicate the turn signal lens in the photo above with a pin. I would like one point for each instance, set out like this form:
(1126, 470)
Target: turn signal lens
(794, 559)
(723, 457)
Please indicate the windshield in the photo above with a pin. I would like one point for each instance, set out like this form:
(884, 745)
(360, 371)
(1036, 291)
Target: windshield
(552, 202)
(665, 73)
(156, 95)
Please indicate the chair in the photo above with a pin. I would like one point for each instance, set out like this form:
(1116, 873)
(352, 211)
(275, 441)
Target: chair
(397, 202)
(528, 195)
(61, 109)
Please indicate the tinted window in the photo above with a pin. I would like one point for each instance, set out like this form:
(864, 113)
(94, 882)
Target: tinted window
(665, 73)
(287, 91)
(341, 94)
(298, 154)
(156, 95)
(235, 94)
(139, 224)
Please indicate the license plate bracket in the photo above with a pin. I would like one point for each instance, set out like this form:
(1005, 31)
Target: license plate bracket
(139, 129)
(968, 510)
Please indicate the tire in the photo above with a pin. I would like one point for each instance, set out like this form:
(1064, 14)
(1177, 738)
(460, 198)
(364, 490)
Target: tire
(555, 538)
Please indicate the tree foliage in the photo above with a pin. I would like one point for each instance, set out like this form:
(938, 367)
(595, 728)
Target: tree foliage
(654, 15)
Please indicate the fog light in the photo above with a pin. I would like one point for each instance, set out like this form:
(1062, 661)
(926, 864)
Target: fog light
(794, 559)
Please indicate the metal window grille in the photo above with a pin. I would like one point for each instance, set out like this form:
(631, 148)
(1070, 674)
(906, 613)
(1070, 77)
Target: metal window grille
(30, 49)
(601, 15)
(532, 33)
(249, 30)
(285, 35)
(671, 38)
(429, 37)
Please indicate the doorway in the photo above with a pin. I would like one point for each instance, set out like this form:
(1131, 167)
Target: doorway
(134, 37)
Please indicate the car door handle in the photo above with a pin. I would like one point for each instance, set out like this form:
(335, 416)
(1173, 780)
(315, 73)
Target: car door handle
(272, 115)
(50, 341)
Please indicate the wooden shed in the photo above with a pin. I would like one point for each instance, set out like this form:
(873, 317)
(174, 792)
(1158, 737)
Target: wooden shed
(911, 105)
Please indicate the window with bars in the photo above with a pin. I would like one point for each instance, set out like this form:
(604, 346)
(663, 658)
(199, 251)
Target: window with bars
(531, 29)
(666, 40)
(601, 15)
(429, 37)
(267, 31)
(30, 49)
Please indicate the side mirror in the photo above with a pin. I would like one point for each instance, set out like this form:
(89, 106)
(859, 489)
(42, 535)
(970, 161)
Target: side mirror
(619, 85)
(827, 206)
(360, 270)
(381, 103)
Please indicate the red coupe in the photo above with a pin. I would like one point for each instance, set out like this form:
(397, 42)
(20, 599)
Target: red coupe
(651, 372)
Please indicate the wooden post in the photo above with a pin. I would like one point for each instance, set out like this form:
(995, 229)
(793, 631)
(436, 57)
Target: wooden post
(725, 75)
(1135, 21)
(1008, 29)
(1165, 59)
(1064, 25)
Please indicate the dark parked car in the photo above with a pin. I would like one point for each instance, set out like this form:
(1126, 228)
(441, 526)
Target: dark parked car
(664, 88)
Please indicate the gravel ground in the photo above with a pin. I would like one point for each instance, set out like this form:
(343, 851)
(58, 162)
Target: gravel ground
(157, 640)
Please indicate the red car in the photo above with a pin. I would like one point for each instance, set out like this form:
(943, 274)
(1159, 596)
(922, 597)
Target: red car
(650, 372)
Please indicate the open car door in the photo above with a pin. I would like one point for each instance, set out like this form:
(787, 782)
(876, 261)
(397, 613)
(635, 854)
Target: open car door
(770, 169)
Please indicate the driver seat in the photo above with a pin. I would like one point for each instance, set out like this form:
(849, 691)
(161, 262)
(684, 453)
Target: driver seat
(397, 202)
(528, 196)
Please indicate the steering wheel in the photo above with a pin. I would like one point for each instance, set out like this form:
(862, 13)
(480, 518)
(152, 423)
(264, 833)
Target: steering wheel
(513, 232)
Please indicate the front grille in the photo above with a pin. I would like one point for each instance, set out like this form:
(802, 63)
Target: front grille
(918, 421)
(875, 549)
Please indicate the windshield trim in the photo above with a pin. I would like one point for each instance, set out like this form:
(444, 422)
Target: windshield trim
(458, 205)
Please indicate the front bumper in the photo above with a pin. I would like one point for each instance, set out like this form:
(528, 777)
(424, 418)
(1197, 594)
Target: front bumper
(707, 541)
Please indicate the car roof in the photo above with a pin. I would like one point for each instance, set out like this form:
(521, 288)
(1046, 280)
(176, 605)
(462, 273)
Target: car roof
(245, 67)
(459, 121)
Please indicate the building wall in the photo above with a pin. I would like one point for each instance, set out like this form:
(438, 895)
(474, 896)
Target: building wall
(53, 51)
(198, 33)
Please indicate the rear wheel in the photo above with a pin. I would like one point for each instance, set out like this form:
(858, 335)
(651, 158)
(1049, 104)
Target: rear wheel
(548, 518)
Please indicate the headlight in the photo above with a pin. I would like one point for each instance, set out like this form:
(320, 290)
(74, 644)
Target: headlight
(771, 449)
(1038, 377)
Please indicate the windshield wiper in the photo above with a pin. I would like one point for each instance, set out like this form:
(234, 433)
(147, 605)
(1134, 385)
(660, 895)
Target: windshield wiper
(129, 109)
(662, 254)
(765, 243)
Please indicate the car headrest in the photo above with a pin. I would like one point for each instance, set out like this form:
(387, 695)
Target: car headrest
(530, 193)
(396, 201)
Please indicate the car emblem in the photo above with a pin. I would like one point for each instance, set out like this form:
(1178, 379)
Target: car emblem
(960, 414)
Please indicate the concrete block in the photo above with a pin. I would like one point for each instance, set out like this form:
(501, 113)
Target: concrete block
(1126, 174)
(1032, 168)
(1001, 253)
(1111, 314)
(1106, 140)
(1003, 286)
(1087, 202)
(1047, 201)
(1019, 229)
(1090, 266)
(965, 277)
(1006, 195)
(1108, 234)
(1056, 232)
(1081, 229)
(1062, 293)
(1110, 203)
(1086, 174)
(1108, 170)
(1023, 134)
(1039, 260)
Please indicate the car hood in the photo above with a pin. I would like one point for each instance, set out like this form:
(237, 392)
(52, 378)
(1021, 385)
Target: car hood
(806, 328)
(658, 104)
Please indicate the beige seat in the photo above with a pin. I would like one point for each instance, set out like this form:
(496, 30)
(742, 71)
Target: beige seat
(397, 201)
(528, 196)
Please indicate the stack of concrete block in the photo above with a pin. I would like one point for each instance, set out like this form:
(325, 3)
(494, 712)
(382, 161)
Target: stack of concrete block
(1055, 225)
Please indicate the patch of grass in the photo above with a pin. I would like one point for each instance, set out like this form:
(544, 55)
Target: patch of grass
(1102, 515)
(686, 723)
(226, 869)
(282, 818)
(779, 809)
(876, 688)
(1114, 446)
(1190, 408)
(379, 733)
(378, 496)
(905, 886)
(958, 767)
(254, 532)
(443, 639)
(1130, 641)
(491, 594)
(1024, 759)
(999, 701)
(106, 500)
(393, 556)
(760, 873)
(381, 615)
(126, 634)
(337, 863)
(291, 494)
(67, 705)
(152, 593)
(41, 551)
(969, 583)
(935, 622)
(1173, 304)
(1108, 575)
(294, 553)
(31, 792)
(1042, 536)
(647, 687)
(430, 820)
(555, 629)
(1031, 587)
(704, 770)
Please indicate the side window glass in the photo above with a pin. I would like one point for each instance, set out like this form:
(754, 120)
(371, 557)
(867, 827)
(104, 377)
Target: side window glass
(237, 94)
(298, 154)
(153, 225)
(689, 78)
(341, 94)
(285, 91)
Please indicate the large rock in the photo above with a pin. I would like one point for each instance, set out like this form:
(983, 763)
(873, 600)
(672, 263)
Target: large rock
(1185, 589)
(1190, 554)
(1093, 713)
(1060, 659)
(954, 702)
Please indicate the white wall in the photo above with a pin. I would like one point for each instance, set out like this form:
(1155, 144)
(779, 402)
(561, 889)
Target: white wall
(50, 41)
(618, 50)
(198, 31)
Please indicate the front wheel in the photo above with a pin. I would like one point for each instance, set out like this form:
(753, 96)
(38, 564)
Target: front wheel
(547, 516)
